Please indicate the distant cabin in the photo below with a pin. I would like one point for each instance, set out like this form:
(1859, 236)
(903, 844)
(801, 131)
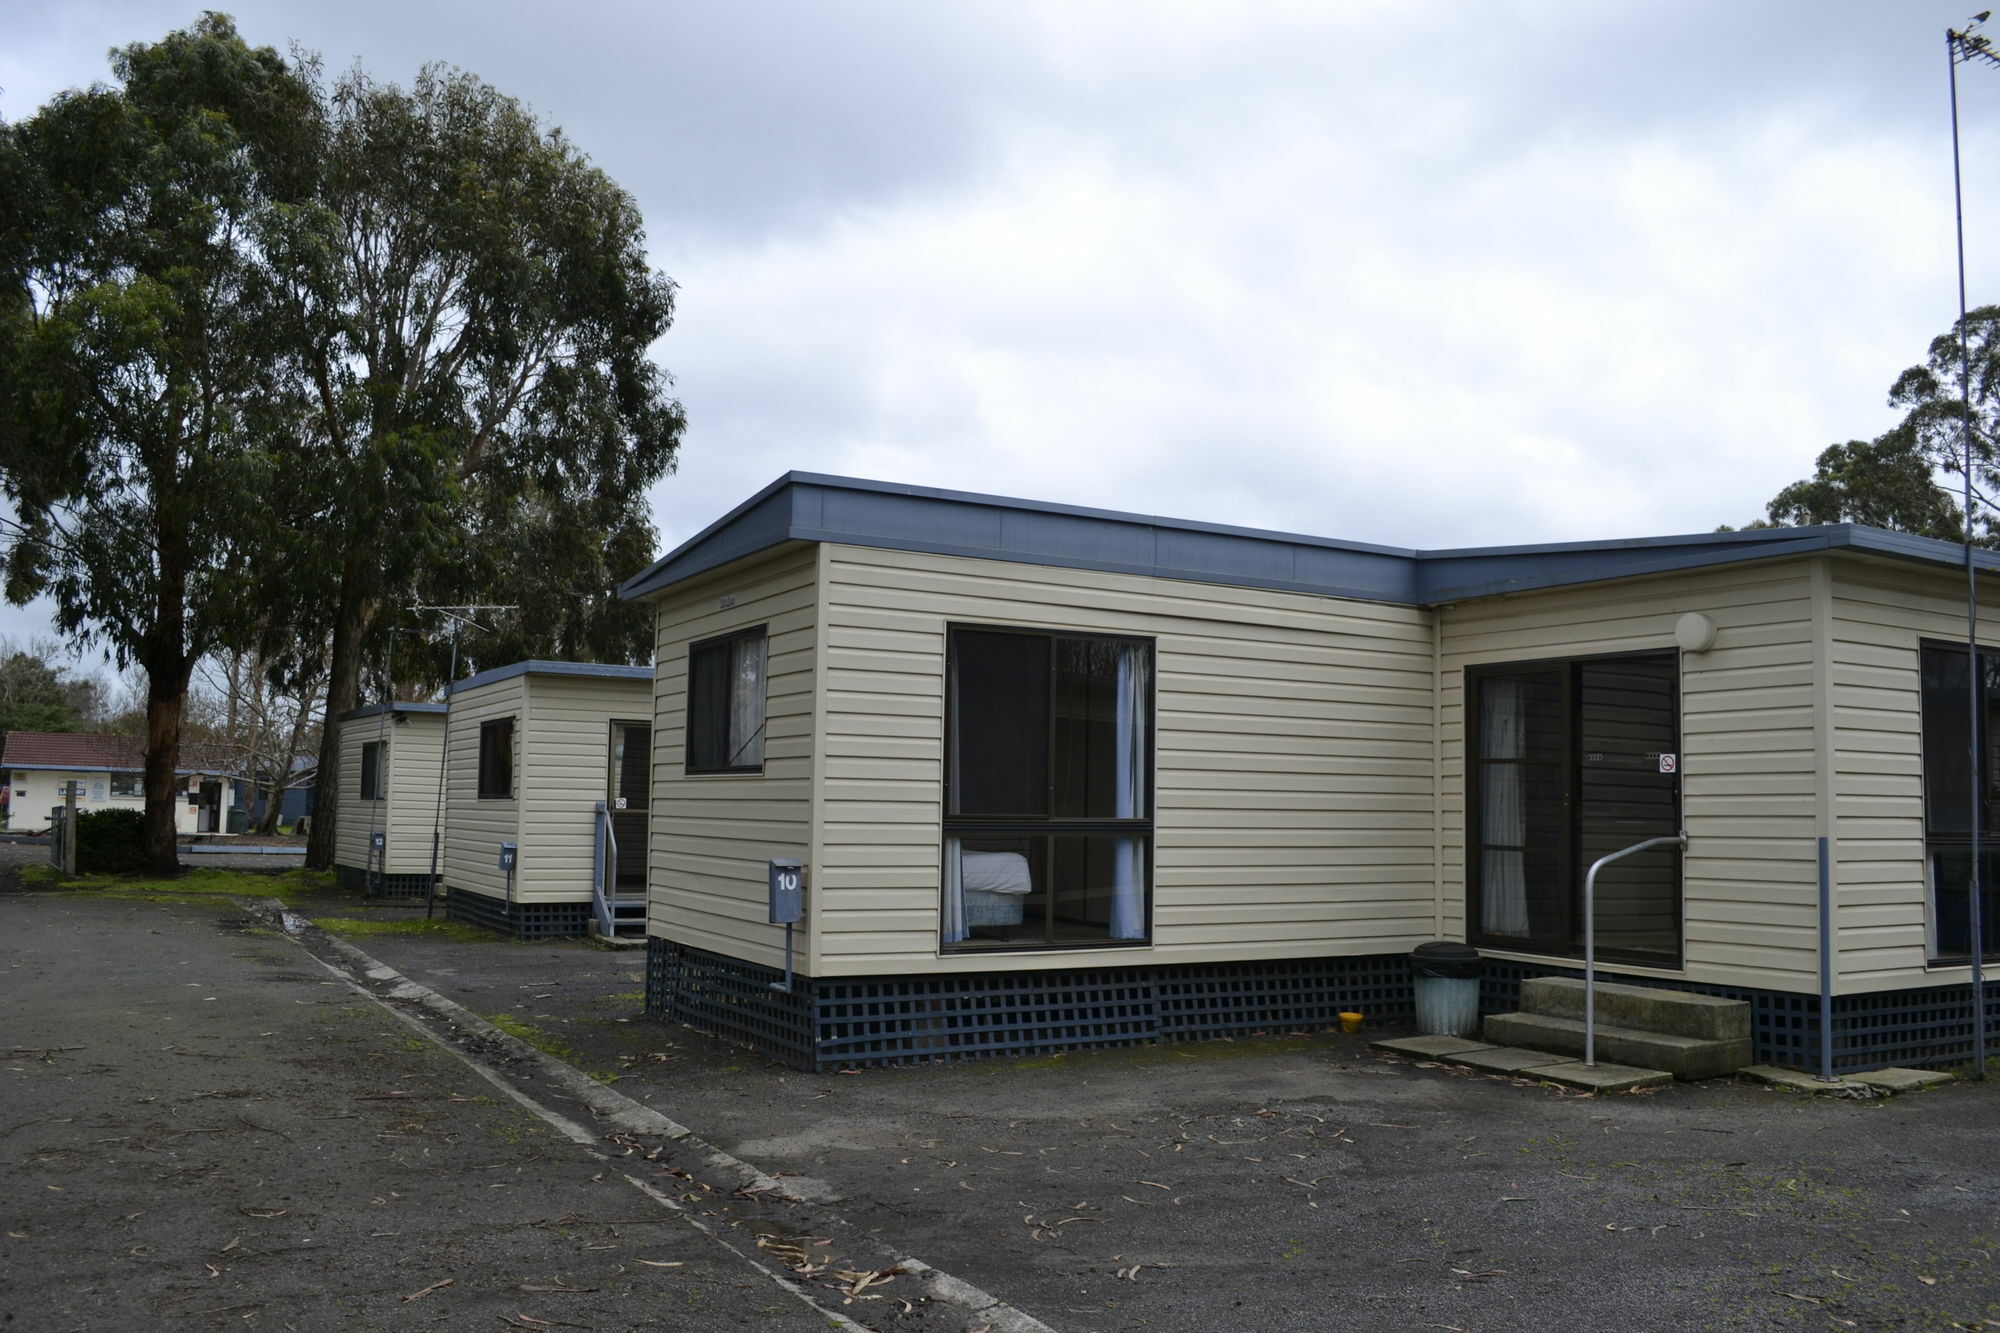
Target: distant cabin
(389, 809)
(109, 773)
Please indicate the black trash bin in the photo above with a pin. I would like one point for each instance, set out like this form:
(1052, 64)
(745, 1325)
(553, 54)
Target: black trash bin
(1445, 978)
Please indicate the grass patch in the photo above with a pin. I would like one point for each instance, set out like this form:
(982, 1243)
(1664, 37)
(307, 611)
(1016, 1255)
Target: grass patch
(198, 883)
(421, 927)
(543, 1042)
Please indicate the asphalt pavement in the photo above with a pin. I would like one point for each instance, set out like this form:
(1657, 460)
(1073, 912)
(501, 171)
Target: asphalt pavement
(1281, 1182)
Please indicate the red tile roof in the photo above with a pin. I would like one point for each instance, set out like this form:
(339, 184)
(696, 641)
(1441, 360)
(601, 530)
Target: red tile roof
(81, 750)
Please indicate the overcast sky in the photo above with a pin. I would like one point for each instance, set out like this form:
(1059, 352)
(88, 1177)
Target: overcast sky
(1426, 275)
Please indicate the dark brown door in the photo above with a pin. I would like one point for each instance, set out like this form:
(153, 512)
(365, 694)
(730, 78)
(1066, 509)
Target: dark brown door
(630, 786)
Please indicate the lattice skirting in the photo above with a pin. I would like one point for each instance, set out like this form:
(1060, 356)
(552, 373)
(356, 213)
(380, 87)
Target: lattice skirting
(355, 879)
(1924, 1028)
(528, 921)
(846, 1022)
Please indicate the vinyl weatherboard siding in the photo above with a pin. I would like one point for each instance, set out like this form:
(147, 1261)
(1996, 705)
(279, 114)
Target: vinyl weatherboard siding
(475, 827)
(713, 834)
(1881, 613)
(411, 750)
(1749, 762)
(563, 769)
(1292, 738)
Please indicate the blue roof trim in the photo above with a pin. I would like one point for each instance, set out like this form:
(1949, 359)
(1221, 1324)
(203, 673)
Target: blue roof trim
(594, 670)
(376, 710)
(812, 507)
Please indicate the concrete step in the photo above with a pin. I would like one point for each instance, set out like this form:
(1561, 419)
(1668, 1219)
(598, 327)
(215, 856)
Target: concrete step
(1683, 1057)
(1644, 1008)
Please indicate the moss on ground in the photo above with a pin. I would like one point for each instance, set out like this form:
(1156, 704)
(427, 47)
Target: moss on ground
(420, 927)
(190, 884)
(545, 1043)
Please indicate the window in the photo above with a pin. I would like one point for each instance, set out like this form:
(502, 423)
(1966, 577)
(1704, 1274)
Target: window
(128, 784)
(1048, 829)
(1961, 773)
(496, 759)
(1570, 761)
(725, 710)
(371, 771)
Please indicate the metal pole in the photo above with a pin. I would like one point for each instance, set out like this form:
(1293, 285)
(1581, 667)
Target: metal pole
(444, 753)
(1825, 964)
(1590, 935)
(1975, 674)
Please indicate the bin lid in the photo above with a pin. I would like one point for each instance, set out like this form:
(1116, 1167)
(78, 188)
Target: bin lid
(1446, 958)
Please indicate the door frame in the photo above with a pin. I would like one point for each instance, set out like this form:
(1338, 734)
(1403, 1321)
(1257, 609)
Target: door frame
(1569, 854)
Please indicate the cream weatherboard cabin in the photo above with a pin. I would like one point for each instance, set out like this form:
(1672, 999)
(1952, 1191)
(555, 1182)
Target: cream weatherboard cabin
(1060, 776)
(389, 839)
(546, 798)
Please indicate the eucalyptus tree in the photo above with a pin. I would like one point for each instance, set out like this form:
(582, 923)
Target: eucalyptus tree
(471, 313)
(140, 389)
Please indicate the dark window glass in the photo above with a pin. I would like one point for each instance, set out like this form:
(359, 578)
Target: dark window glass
(1960, 768)
(496, 759)
(725, 711)
(371, 771)
(1565, 765)
(1001, 724)
(128, 784)
(1048, 836)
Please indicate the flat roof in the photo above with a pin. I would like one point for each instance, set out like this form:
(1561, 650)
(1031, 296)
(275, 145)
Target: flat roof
(813, 507)
(593, 670)
(376, 710)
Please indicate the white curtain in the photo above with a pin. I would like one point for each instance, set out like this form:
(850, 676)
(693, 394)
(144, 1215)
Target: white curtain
(1503, 880)
(955, 928)
(746, 703)
(1128, 855)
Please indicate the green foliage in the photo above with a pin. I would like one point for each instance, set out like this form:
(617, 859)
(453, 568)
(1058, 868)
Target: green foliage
(1912, 478)
(38, 696)
(110, 842)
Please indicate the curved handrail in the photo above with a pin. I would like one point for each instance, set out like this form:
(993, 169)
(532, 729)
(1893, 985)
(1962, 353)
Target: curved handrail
(1590, 934)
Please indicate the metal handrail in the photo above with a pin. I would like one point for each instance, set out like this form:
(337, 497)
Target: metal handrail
(606, 887)
(1590, 934)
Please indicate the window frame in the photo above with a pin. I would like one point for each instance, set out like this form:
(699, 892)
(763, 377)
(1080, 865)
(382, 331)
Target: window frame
(366, 790)
(136, 781)
(1050, 826)
(490, 727)
(1987, 779)
(693, 721)
(1569, 855)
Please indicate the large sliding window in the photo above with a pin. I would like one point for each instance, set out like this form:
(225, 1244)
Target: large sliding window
(1569, 761)
(1048, 828)
(1961, 772)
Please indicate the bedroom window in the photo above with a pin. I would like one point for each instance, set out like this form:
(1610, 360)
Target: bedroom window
(1958, 772)
(1048, 829)
(725, 710)
(496, 760)
(371, 771)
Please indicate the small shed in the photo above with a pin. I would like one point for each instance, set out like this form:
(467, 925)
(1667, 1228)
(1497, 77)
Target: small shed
(547, 797)
(1062, 776)
(110, 774)
(389, 809)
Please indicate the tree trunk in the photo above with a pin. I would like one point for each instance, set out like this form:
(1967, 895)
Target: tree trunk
(343, 693)
(165, 689)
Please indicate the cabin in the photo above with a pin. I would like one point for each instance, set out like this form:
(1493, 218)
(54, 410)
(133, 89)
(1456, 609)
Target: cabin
(109, 773)
(546, 798)
(389, 836)
(1059, 776)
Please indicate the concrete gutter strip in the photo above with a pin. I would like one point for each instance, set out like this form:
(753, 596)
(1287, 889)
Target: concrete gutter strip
(621, 1112)
(225, 849)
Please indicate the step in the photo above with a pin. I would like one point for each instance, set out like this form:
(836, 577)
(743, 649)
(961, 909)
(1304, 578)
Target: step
(1644, 1008)
(1683, 1057)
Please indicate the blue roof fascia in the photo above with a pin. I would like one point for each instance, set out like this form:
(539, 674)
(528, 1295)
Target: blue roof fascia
(804, 506)
(812, 507)
(98, 768)
(593, 670)
(376, 710)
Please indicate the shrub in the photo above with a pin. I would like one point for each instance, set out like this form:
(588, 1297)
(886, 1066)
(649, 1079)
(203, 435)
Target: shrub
(110, 842)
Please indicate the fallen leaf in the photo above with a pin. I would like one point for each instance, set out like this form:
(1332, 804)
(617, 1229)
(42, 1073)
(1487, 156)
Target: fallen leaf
(1927, 1281)
(662, 1263)
(439, 1285)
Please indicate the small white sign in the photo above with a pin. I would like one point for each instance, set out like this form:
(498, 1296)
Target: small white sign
(619, 804)
(727, 602)
(1670, 763)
